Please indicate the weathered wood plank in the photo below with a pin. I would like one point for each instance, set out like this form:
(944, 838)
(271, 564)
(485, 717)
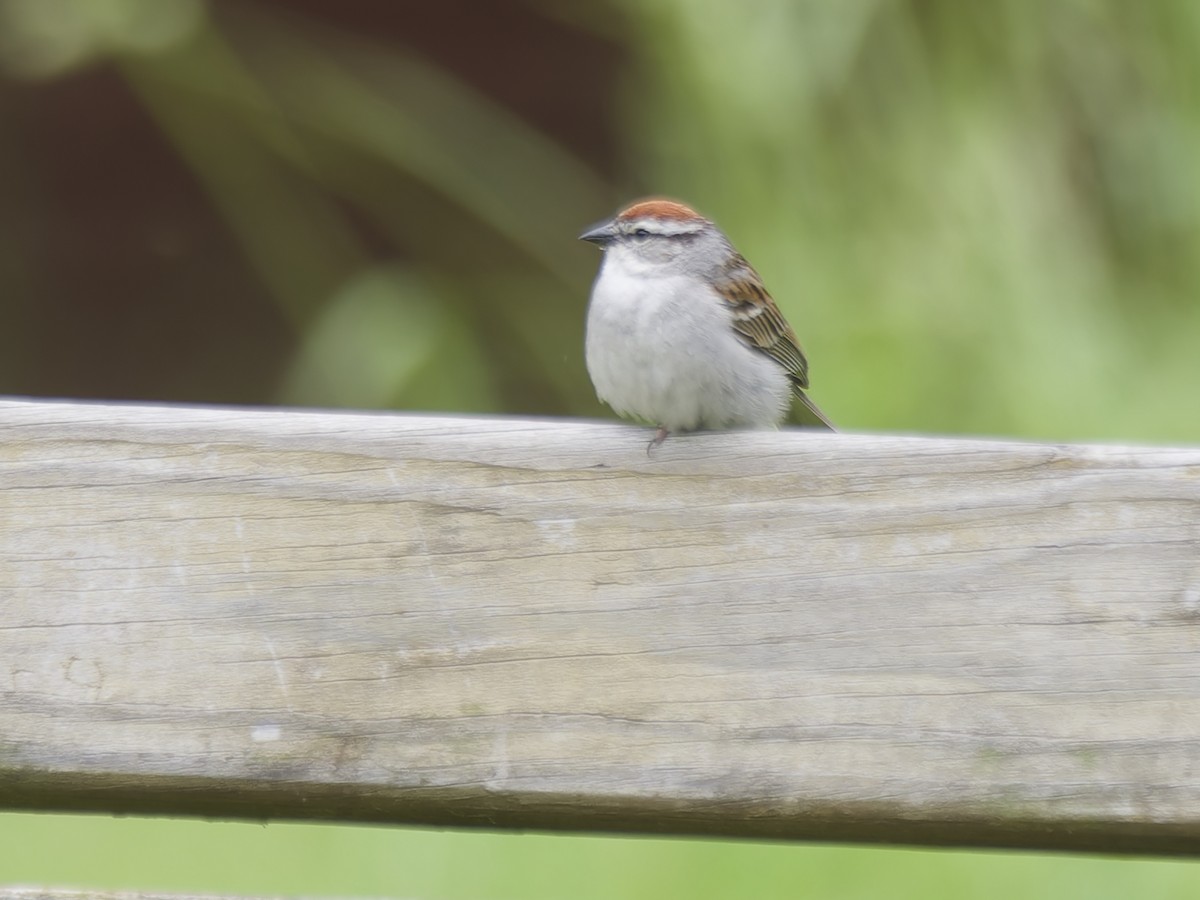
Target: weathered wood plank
(38, 893)
(534, 624)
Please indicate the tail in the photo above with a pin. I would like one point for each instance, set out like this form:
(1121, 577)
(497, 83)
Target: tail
(808, 414)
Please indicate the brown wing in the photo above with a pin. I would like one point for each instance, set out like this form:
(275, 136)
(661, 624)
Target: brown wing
(758, 321)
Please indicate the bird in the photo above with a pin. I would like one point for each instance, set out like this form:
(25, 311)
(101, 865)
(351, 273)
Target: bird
(681, 332)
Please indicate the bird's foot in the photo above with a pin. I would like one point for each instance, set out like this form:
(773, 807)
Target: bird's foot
(659, 437)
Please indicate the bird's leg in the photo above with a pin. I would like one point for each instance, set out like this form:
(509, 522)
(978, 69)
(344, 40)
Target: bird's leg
(659, 437)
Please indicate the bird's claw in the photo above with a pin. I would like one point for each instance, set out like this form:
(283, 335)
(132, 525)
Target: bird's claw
(659, 437)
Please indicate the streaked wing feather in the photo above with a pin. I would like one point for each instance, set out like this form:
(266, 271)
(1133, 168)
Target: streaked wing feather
(758, 320)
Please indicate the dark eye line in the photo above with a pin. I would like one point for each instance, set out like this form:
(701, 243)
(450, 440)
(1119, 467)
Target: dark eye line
(643, 233)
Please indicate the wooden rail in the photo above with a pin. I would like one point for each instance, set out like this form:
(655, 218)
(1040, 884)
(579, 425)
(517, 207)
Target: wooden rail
(515, 623)
(39, 893)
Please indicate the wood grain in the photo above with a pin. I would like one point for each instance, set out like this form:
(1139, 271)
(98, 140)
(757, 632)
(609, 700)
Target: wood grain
(514, 623)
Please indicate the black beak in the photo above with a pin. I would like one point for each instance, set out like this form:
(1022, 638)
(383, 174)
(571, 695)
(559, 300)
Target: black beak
(599, 234)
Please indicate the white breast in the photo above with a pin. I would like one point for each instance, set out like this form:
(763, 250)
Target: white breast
(663, 349)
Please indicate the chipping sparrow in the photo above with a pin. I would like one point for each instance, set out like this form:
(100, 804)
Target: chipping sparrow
(681, 331)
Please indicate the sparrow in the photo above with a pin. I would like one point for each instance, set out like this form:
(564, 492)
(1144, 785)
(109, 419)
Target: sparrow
(681, 331)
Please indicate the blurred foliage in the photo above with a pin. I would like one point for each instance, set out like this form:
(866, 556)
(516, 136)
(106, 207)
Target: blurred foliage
(980, 218)
(984, 218)
(339, 861)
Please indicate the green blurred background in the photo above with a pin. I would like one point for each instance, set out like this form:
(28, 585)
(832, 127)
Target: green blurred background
(980, 218)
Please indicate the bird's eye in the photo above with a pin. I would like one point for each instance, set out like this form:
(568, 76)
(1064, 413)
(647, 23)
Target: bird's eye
(641, 233)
